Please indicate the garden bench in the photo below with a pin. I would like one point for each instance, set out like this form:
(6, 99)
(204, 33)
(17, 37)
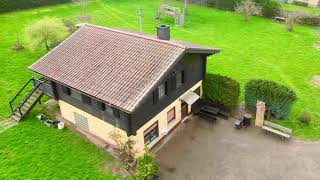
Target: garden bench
(209, 113)
(277, 129)
(280, 19)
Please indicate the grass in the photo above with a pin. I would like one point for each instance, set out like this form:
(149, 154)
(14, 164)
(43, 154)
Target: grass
(306, 9)
(32, 150)
(257, 49)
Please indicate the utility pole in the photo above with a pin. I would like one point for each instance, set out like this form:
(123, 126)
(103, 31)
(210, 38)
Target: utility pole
(140, 17)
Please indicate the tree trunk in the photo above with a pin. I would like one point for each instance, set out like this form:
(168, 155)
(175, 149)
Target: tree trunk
(185, 11)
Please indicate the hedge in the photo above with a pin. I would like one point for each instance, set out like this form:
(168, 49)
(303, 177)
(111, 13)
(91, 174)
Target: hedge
(13, 5)
(308, 19)
(221, 90)
(270, 8)
(224, 4)
(278, 98)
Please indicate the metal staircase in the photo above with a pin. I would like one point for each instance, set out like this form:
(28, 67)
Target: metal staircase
(29, 101)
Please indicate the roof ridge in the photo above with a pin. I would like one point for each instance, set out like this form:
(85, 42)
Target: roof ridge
(137, 35)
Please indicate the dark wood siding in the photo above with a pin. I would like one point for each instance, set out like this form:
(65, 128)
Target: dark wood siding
(192, 65)
(95, 109)
(47, 88)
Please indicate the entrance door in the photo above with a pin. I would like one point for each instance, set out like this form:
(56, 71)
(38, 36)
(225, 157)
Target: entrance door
(184, 110)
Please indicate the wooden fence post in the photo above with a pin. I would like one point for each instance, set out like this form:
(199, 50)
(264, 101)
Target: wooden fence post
(261, 109)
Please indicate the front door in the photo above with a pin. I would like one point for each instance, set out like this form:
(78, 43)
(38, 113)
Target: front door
(184, 110)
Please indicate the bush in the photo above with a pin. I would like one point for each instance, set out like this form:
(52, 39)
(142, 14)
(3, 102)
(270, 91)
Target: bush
(309, 19)
(13, 5)
(278, 98)
(305, 118)
(221, 90)
(270, 8)
(248, 8)
(224, 4)
(146, 166)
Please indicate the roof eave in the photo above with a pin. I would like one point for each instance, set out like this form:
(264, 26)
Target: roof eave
(203, 51)
(112, 105)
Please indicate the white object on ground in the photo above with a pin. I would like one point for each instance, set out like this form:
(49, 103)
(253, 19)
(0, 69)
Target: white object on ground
(61, 125)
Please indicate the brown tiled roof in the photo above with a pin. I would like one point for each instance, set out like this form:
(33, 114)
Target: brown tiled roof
(114, 66)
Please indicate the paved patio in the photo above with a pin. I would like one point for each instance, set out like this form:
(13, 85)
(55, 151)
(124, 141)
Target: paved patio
(200, 151)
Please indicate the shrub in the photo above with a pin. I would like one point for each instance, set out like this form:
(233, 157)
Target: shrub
(309, 19)
(12, 5)
(292, 19)
(146, 166)
(270, 8)
(221, 90)
(248, 8)
(305, 118)
(48, 32)
(224, 4)
(278, 98)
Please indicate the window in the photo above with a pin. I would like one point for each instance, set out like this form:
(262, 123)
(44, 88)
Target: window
(86, 99)
(102, 106)
(116, 112)
(66, 90)
(163, 90)
(179, 78)
(81, 121)
(171, 115)
(151, 134)
(76, 95)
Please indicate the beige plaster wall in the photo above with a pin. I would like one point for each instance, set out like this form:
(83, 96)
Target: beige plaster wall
(97, 126)
(102, 129)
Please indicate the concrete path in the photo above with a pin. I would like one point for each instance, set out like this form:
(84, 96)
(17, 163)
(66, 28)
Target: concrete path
(200, 151)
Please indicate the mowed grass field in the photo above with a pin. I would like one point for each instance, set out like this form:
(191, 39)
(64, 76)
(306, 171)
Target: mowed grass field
(31, 150)
(257, 49)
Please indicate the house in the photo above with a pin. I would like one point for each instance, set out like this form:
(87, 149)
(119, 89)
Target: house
(310, 3)
(106, 79)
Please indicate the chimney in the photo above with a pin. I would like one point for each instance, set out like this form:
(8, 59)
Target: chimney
(163, 32)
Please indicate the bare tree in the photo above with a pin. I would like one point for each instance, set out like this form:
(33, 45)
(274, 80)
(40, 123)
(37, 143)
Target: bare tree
(291, 19)
(248, 8)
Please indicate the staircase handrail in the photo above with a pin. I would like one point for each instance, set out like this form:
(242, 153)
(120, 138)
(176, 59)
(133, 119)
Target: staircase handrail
(28, 96)
(24, 86)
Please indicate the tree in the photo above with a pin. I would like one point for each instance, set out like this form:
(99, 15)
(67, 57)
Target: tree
(248, 8)
(48, 32)
(291, 19)
(146, 166)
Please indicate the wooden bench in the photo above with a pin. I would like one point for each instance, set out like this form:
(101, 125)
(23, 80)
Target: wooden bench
(279, 19)
(277, 129)
(208, 113)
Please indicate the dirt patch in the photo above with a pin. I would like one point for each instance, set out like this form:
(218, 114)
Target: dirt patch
(315, 81)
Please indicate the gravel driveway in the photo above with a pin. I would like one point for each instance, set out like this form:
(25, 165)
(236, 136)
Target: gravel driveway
(200, 151)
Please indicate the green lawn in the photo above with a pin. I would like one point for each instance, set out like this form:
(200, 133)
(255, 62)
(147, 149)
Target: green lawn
(31, 150)
(257, 49)
(294, 7)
